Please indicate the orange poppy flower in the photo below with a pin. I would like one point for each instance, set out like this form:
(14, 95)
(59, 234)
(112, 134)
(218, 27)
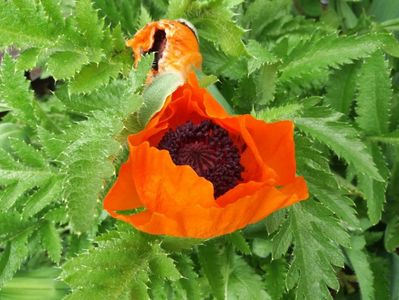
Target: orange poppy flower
(196, 171)
(175, 45)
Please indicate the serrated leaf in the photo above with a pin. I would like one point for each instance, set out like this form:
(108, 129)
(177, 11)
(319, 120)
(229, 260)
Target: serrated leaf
(93, 76)
(64, 65)
(163, 266)
(330, 51)
(260, 56)
(12, 257)
(317, 236)
(374, 191)
(326, 126)
(212, 268)
(54, 12)
(265, 82)
(88, 23)
(314, 166)
(391, 237)
(276, 272)
(189, 281)
(28, 59)
(237, 239)
(282, 240)
(278, 113)
(375, 95)
(51, 241)
(341, 88)
(118, 267)
(14, 90)
(361, 266)
(48, 193)
(229, 275)
(156, 93)
(90, 145)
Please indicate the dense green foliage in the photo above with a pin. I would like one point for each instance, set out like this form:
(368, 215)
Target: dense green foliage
(333, 69)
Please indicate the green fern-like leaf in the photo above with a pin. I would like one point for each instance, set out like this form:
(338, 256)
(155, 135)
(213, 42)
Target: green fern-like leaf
(190, 277)
(26, 171)
(317, 236)
(14, 90)
(91, 145)
(94, 76)
(120, 267)
(229, 276)
(322, 183)
(326, 126)
(322, 53)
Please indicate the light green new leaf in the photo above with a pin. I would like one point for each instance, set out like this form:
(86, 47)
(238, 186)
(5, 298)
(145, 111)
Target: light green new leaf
(375, 95)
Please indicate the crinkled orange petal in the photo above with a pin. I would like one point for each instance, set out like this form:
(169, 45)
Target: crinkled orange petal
(123, 195)
(200, 222)
(164, 187)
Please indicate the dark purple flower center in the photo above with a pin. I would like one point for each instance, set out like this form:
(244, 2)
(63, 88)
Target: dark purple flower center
(209, 150)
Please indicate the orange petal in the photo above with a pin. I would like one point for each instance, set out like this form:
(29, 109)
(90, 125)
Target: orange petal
(200, 222)
(164, 187)
(122, 195)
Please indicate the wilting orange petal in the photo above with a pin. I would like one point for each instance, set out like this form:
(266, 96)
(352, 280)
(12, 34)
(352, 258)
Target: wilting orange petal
(174, 43)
